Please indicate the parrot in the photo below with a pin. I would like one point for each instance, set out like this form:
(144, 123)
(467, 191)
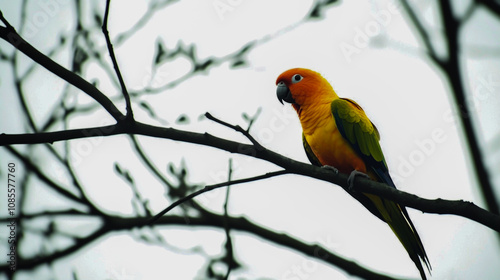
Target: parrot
(337, 134)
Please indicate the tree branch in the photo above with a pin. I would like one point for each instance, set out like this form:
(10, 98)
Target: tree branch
(422, 32)
(452, 71)
(42, 177)
(229, 257)
(213, 220)
(237, 128)
(492, 5)
(210, 188)
(438, 206)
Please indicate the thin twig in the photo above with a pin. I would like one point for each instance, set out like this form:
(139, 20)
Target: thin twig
(42, 177)
(17, 79)
(149, 164)
(422, 32)
(213, 187)
(229, 243)
(7, 24)
(130, 114)
(237, 128)
(253, 119)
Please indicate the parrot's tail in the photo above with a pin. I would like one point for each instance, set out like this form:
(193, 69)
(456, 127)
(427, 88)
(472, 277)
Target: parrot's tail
(404, 229)
(398, 219)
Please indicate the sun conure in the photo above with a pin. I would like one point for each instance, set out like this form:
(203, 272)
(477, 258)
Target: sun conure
(337, 133)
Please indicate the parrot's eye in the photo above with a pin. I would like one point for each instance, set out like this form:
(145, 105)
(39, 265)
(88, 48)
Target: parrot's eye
(296, 78)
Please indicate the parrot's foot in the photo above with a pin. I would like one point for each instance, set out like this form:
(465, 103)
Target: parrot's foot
(331, 168)
(351, 178)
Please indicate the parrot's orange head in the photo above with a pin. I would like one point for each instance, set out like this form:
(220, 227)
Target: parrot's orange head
(302, 87)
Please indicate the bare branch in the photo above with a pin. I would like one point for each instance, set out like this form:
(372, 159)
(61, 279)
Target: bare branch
(213, 187)
(252, 119)
(212, 220)
(145, 159)
(431, 206)
(453, 73)
(237, 128)
(422, 32)
(229, 243)
(492, 5)
(130, 114)
(58, 188)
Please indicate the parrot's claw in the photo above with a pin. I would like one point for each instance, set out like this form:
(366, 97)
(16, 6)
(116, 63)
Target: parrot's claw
(331, 168)
(351, 178)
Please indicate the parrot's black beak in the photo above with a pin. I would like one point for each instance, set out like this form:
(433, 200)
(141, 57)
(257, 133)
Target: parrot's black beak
(283, 93)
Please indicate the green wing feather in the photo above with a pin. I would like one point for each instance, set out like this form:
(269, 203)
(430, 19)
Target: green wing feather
(359, 131)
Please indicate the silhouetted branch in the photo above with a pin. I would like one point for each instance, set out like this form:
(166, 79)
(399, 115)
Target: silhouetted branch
(229, 256)
(212, 187)
(454, 75)
(460, 208)
(235, 127)
(126, 96)
(149, 164)
(492, 5)
(451, 67)
(421, 31)
(252, 119)
(33, 168)
(113, 223)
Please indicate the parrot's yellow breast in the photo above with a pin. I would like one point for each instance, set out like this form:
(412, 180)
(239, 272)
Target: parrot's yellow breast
(329, 146)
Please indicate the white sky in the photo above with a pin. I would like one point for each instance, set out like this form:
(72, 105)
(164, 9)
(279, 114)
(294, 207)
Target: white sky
(401, 92)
